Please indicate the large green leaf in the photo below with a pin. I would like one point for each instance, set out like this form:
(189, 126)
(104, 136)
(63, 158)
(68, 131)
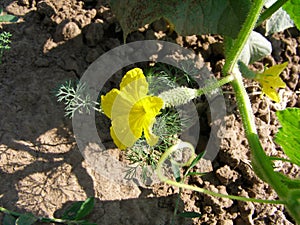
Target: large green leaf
(9, 220)
(292, 7)
(257, 47)
(278, 22)
(223, 17)
(26, 219)
(289, 133)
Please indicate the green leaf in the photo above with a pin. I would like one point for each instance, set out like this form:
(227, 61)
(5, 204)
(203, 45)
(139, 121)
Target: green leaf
(26, 219)
(1, 11)
(71, 212)
(290, 183)
(292, 7)
(257, 47)
(188, 17)
(189, 214)
(289, 133)
(8, 18)
(85, 208)
(196, 160)
(278, 22)
(9, 220)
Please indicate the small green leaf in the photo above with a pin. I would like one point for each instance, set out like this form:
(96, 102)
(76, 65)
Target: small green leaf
(187, 17)
(257, 47)
(278, 22)
(289, 133)
(8, 18)
(26, 219)
(196, 160)
(85, 208)
(71, 212)
(1, 11)
(189, 215)
(292, 7)
(9, 220)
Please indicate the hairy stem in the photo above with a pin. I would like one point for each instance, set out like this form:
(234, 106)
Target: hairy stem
(243, 35)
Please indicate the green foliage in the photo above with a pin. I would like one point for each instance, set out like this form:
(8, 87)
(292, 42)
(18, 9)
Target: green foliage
(292, 7)
(9, 220)
(74, 96)
(278, 22)
(289, 133)
(256, 48)
(26, 219)
(7, 17)
(188, 17)
(73, 215)
(4, 43)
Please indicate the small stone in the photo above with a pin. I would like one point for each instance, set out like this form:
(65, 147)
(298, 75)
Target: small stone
(82, 20)
(191, 40)
(66, 31)
(93, 34)
(226, 222)
(44, 9)
(226, 175)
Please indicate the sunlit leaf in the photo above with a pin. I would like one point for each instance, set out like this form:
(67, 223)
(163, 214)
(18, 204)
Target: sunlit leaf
(292, 7)
(8, 18)
(288, 136)
(257, 47)
(278, 22)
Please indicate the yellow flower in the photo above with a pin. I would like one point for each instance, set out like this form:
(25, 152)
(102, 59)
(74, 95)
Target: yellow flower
(270, 81)
(131, 110)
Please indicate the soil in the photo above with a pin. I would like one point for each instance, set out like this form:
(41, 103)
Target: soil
(41, 168)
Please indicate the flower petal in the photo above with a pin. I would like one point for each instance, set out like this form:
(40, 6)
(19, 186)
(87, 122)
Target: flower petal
(271, 93)
(116, 140)
(134, 84)
(107, 101)
(122, 133)
(142, 117)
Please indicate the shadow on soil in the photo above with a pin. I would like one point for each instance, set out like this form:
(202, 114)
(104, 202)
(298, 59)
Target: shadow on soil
(36, 142)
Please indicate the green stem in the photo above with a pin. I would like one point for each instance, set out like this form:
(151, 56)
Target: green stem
(219, 83)
(160, 175)
(235, 51)
(261, 163)
(269, 11)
